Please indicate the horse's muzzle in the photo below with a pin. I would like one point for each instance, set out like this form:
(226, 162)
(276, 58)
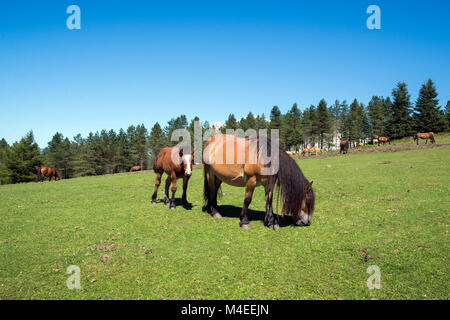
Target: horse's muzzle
(304, 221)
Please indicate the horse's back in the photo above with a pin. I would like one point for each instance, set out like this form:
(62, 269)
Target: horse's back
(164, 161)
(233, 159)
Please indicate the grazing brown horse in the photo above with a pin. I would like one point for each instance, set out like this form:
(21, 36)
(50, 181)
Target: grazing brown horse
(426, 136)
(383, 140)
(46, 172)
(305, 151)
(135, 168)
(314, 149)
(360, 144)
(344, 146)
(244, 162)
(176, 163)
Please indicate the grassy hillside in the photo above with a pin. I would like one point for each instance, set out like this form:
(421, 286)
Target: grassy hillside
(388, 209)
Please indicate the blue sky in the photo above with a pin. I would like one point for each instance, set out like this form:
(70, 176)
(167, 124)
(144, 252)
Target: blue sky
(145, 61)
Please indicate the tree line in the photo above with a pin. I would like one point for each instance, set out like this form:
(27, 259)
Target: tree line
(109, 152)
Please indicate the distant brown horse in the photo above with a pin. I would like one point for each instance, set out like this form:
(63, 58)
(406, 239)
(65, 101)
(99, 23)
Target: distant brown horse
(176, 163)
(360, 144)
(135, 168)
(46, 172)
(305, 151)
(426, 136)
(253, 162)
(344, 146)
(314, 149)
(383, 140)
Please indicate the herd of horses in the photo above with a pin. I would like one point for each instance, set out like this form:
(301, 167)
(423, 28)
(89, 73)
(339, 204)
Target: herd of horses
(344, 146)
(241, 162)
(249, 168)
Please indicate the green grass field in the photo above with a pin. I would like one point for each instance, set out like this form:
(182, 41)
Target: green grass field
(388, 209)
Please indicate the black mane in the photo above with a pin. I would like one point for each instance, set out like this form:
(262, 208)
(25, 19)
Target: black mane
(290, 179)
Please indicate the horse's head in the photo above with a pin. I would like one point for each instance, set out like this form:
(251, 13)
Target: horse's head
(57, 176)
(307, 208)
(187, 160)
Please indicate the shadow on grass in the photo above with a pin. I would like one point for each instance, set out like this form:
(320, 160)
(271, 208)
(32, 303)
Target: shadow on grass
(178, 203)
(229, 211)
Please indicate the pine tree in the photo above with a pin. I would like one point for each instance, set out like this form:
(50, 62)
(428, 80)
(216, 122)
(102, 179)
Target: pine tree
(344, 129)
(353, 122)
(248, 122)
(157, 141)
(366, 127)
(140, 145)
(275, 119)
(261, 122)
(325, 121)
(3, 171)
(59, 155)
(231, 123)
(174, 124)
(399, 122)
(447, 114)
(3, 146)
(377, 113)
(123, 151)
(311, 125)
(22, 160)
(427, 114)
(335, 113)
(292, 133)
(84, 157)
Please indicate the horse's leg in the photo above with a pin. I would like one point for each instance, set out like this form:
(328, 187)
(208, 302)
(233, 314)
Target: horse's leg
(249, 188)
(215, 208)
(213, 188)
(269, 219)
(157, 183)
(185, 185)
(166, 190)
(173, 178)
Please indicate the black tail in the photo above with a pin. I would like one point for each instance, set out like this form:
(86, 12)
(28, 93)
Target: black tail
(38, 176)
(154, 166)
(205, 187)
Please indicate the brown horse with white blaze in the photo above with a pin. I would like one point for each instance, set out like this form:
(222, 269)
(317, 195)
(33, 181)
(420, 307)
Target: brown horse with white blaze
(250, 162)
(176, 163)
(426, 136)
(46, 172)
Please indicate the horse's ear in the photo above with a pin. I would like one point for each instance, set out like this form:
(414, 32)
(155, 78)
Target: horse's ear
(308, 186)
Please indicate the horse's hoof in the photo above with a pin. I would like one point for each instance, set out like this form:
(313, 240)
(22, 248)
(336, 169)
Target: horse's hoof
(217, 215)
(275, 227)
(245, 226)
(172, 208)
(153, 202)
